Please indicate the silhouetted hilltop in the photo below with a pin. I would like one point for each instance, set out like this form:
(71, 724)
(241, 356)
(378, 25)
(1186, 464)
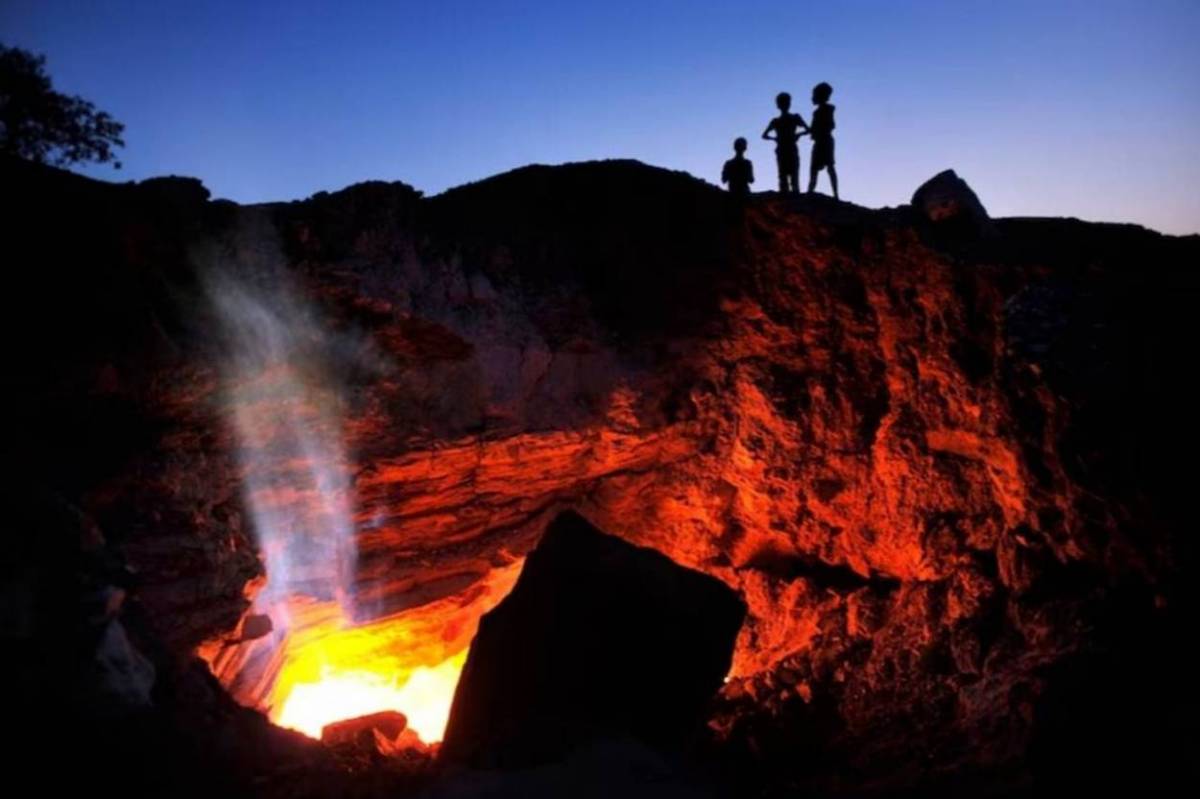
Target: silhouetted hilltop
(648, 249)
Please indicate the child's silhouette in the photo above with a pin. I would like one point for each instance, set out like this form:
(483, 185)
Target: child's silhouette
(788, 128)
(822, 136)
(738, 171)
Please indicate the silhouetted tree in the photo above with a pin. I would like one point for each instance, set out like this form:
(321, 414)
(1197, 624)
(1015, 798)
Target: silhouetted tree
(46, 126)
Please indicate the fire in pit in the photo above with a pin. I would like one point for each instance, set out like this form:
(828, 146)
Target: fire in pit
(319, 667)
(318, 661)
(311, 702)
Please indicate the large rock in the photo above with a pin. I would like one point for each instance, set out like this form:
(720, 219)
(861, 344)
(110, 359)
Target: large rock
(598, 639)
(946, 199)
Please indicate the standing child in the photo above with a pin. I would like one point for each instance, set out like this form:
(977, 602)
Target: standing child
(738, 171)
(822, 136)
(788, 128)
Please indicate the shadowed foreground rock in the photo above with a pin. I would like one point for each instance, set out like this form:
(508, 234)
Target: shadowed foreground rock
(599, 639)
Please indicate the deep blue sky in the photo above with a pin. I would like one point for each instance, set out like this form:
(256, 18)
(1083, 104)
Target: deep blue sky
(1088, 109)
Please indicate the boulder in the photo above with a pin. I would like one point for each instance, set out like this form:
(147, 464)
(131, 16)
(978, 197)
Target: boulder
(599, 639)
(946, 199)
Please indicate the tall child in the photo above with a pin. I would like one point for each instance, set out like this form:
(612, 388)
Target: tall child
(822, 136)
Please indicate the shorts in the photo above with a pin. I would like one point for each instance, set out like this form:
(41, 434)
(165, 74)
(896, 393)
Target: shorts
(822, 153)
(788, 159)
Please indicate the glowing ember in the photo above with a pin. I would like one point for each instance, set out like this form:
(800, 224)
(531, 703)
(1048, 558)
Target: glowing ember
(424, 698)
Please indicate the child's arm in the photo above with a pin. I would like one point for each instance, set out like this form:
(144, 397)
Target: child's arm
(770, 127)
(806, 129)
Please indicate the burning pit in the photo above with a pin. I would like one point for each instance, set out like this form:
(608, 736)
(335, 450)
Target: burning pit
(318, 666)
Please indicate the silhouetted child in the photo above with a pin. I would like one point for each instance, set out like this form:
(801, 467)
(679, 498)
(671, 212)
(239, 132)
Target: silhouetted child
(788, 128)
(822, 136)
(738, 171)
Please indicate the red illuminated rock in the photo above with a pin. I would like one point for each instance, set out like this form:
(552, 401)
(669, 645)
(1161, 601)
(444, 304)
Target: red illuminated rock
(943, 478)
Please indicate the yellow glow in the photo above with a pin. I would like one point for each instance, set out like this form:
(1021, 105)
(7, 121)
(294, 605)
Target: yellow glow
(424, 698)
(330, 669)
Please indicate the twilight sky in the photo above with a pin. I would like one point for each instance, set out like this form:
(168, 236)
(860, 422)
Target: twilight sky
(1088, 109)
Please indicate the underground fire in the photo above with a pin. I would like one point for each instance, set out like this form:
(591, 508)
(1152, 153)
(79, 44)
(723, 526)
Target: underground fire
(317, 666)
(332, 679)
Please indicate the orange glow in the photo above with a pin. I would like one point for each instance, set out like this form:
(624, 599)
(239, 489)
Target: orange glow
(320, 667)
(424, 698)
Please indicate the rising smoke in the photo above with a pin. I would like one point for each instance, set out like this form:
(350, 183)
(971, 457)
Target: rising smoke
(285, 405)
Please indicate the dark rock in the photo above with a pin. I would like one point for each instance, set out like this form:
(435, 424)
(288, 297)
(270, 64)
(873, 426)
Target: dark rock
(947, 199)
(121, 678)
(175, 190)
(599, 638)
(256, 625)
(621, 768)
(389, 723)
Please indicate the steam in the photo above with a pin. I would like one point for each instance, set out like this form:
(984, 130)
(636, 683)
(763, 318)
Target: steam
(285, 405)
(285, 395)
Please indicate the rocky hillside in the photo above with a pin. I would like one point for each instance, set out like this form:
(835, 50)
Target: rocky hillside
(939, 456)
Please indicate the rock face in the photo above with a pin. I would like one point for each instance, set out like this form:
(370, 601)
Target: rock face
(598, 640)
(944, 481)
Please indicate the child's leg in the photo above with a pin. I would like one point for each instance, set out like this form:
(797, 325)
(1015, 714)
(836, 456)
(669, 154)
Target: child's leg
(833, 180)
(812, 177)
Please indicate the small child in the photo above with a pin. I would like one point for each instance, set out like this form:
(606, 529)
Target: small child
(738, 171)
(785, 130)
(822, 136)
